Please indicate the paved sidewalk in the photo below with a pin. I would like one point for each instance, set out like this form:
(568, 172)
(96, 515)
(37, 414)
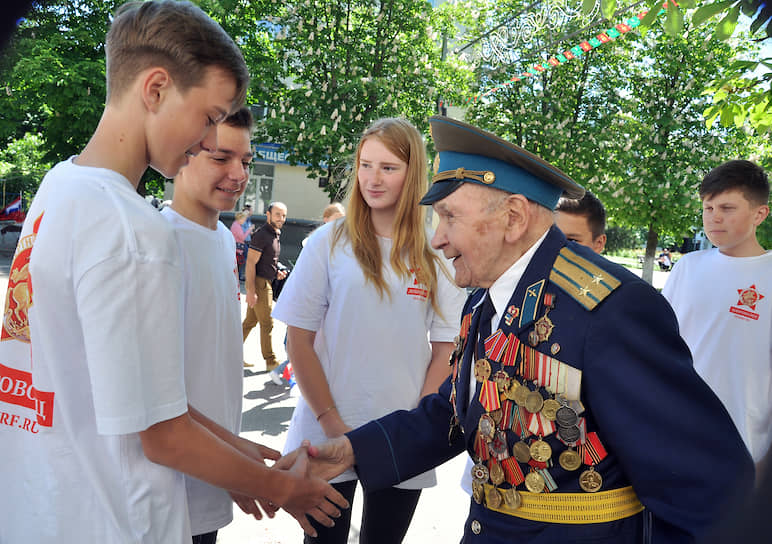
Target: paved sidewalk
(266, 415)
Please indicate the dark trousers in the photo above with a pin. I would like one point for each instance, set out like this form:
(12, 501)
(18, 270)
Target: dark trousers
(205, 538)
(386, 516)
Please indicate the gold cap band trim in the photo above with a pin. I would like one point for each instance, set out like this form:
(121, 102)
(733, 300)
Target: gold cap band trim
(572, 508)
(483, 176)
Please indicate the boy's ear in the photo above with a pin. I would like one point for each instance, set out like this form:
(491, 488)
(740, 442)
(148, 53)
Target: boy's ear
(761, 214)
(155, 85)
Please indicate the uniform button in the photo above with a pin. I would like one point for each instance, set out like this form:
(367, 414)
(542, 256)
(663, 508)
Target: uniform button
(476, 527)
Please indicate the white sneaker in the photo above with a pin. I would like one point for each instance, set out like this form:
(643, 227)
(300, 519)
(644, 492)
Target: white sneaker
(275, 378)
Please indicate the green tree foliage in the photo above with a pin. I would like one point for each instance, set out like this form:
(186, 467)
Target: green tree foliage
(54, 75)
(22, 165)
(345, 64)
(626, 121)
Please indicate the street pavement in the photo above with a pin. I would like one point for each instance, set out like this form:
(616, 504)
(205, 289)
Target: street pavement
(267, 410)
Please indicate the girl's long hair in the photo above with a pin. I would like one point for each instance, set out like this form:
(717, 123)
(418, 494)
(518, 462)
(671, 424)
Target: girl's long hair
(409, 241)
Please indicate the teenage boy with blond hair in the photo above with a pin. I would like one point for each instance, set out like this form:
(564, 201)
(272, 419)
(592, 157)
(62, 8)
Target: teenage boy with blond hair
(722, 298)
(97, 425)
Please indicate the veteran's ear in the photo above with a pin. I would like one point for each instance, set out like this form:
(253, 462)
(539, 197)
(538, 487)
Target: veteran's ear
(519, 216)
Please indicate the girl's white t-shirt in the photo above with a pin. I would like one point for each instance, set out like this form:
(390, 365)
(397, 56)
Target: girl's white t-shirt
(374, 350)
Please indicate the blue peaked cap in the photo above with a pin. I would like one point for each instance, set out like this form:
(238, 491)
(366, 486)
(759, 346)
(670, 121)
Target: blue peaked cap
(469, 155)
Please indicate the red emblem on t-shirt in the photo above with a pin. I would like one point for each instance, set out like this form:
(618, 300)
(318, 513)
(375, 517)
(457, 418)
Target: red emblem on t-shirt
(749, 297)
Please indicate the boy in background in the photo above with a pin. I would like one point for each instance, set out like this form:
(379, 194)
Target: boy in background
(583, 221)
(98, 427)
(723, 299)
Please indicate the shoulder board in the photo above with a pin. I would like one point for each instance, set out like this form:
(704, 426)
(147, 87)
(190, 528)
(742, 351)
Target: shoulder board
(584, 281)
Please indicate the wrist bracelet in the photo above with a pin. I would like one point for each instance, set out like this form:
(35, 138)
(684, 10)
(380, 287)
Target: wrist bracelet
(324, 412)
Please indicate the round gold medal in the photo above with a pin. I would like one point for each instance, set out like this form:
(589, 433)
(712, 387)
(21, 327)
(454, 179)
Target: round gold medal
(497, 474)
(520, 394)
(570, 460)
(482, 370)
(534, 482)
(590, 480)
(493, 498)
(540, 451)
(521, 452)
(502, 380)
(496, 415)
(550, 408)
(534, 402)
(512, 498)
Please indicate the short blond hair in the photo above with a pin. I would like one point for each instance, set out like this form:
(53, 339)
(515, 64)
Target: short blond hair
(240, 215)
(175, 35)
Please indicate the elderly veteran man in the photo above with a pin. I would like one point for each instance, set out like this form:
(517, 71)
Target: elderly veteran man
(571, 388)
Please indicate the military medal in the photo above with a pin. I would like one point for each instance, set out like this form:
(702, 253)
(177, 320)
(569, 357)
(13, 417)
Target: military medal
(565, 416)
(496, 473)
(554, 348)
(590, 480)
(477, 492)
(520, 395)
(480, 473)
(512, 498)
(534, 402)
(543, 328)
(487, 427)
(570, 460)
(533, 338)
(540, 451)
(550, 409)
(502, 380)
(569, 435)
(521, 451)
(512, 312)
(534, 482)
(498, 446)
(493, 498)
(482, 370)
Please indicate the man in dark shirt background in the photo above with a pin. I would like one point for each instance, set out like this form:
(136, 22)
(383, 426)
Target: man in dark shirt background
(263, 267)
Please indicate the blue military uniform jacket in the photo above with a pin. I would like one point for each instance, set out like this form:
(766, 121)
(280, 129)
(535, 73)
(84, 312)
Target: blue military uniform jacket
(662, 429)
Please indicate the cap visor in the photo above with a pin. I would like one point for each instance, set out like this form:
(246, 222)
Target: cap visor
(440, 190)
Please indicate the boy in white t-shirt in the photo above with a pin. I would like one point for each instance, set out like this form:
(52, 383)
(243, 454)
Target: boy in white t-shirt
(213, 181)
(723, 299)
(97, 428)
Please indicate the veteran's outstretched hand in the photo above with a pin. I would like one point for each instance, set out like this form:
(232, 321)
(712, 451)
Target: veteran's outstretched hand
(311, 495)
(331, 458)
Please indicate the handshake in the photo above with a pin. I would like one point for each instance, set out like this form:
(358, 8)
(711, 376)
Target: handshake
(300, 482)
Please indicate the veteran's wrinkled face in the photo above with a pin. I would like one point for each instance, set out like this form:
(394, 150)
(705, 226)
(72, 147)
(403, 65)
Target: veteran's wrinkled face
(471, 234)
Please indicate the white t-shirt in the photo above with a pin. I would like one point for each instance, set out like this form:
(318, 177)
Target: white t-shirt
(374, 351)
(724, 310)
(96, 277)
(213, 348)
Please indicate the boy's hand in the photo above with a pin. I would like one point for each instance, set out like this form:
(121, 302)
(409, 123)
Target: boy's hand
(247, 504)
(251, 298)
(310, 495)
